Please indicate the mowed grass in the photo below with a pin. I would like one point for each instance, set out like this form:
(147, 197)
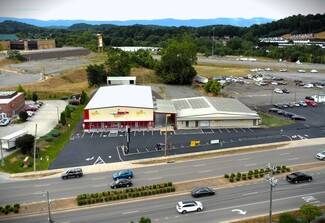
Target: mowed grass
(273, 122)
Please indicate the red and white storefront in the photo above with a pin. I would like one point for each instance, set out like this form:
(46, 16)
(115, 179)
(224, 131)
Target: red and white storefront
(115, 107)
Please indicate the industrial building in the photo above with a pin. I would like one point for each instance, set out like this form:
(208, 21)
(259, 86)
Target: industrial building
(12, 42)
(115, 107)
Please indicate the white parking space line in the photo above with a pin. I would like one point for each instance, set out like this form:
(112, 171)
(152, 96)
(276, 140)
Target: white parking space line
(250, 130)
(83, 134)
(296, 158)
(220, 130)
(130, 212)
(253, 164)
(282, 154)
(202, 131)
(243, 130)
(235, 130)
(212, 131)
(92, 134)
(228, 131)
(243, 159)
(138, 151)
(147, 149)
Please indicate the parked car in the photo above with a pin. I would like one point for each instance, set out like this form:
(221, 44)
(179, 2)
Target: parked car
(311, 103)
(274, 110)
(301, 71)
(302, 103)
(321, 155)
(313, 71)
(309, 98)
(288, 114)
(121, 183)
(202, 191)
(30, 113)
(5, 121)
(298, 117)
(123, 174)
(298, 177)
(283, 70)
(308, 85)
(72, 173)
(278, 91)
(31, 108)
(188, 206)
(295, 104)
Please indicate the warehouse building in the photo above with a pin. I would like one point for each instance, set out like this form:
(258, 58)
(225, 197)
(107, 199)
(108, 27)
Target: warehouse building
(115, 107)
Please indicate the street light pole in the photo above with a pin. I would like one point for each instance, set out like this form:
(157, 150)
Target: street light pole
(47, 194)
(35, 148)
(167, 115)
(2, 159)
(212, 42)
(57, 110)
(272, 181)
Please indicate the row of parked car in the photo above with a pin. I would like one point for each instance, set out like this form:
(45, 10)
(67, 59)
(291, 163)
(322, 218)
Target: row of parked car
(32, 108)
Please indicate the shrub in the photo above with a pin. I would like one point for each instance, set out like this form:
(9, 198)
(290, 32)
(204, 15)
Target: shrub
(261, 170)
(16, 205)
(16, 210)
(244, 177)
(255, 171)
(261, 174)
(226, 175)
(288, 169)
(48, 138)
(55, 133)
(232, 175)
(7, 206)
(237, 178)
(231, 180)
(283, 170)
(256, 175)
(238, 174)
(250, 172)
(106, 199)
(169, 184)
(278, 171)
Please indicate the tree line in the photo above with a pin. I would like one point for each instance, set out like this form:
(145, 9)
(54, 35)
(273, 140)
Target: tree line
(242, 40)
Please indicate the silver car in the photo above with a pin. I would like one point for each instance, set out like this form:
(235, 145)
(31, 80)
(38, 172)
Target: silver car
(321, 155)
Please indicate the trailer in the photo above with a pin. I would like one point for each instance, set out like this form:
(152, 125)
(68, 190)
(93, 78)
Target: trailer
(9, 141)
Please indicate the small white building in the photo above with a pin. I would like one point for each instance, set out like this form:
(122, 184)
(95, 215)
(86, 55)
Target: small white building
(319, 98)
(121, 80)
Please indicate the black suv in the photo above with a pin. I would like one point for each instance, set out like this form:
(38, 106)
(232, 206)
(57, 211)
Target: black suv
(298, 177)
(121, 183)
(76, 172)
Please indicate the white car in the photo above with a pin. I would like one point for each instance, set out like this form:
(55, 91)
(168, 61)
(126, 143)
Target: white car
(188, 206)
(283, 70)
(278, 91)
(314, 71)
(321, 155)
(301, 71)
(30, 113)
(308, 85)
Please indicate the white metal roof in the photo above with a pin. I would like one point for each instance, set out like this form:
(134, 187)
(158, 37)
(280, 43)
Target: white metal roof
(123, 96)
(205, 106)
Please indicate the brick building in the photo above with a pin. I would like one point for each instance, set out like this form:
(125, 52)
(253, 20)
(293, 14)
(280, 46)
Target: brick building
(11, 102)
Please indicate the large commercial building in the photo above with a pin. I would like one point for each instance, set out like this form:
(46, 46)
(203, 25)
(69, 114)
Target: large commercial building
(12, 42)
(115, 107)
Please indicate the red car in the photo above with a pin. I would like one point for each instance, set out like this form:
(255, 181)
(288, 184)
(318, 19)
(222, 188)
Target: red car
(30, 108)
(311, 103)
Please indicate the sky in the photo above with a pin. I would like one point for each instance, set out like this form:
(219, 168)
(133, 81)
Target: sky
(122, 10)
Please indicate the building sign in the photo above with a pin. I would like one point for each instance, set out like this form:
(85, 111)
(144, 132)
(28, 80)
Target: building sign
(121, 114)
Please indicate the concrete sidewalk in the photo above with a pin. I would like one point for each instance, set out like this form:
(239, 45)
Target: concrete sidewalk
(4, 177)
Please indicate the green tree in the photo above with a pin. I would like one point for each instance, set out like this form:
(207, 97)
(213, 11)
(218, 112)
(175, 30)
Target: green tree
(215, 87)
(287, 218)
(23, 116)
(177, 59)
(144, 220)
(15, 54)
(25, 143)
(20, 89)
(118, 63)
(96, 75)
(67, 111)
(309, 212)
(207, 86)
(63, 120)
(34, 97)
(83, 98)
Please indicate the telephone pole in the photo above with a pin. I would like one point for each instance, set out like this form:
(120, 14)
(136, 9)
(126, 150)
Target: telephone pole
(273, 182)
(47, 194)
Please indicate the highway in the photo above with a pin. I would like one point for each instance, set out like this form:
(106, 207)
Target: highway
(252, 198)
(28, 191)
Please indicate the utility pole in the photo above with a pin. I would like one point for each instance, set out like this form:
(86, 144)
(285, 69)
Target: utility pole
(212, 42)
(2, 159)
(35, 148)
(47, 194)
(167, 115)
(272, 181)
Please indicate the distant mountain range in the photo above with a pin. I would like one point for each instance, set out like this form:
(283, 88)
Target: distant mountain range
(241, 22)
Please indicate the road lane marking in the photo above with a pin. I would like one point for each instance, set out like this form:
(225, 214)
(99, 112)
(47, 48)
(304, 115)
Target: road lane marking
(155, 178)
(247, 194)
(205, 171)
(243, 159)
(154, 171)
(199, 165)
(282, 154)
(130, 212)
(42, 185)
(103, 185)
(296, 158)
(100, 178)
(253, 164)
